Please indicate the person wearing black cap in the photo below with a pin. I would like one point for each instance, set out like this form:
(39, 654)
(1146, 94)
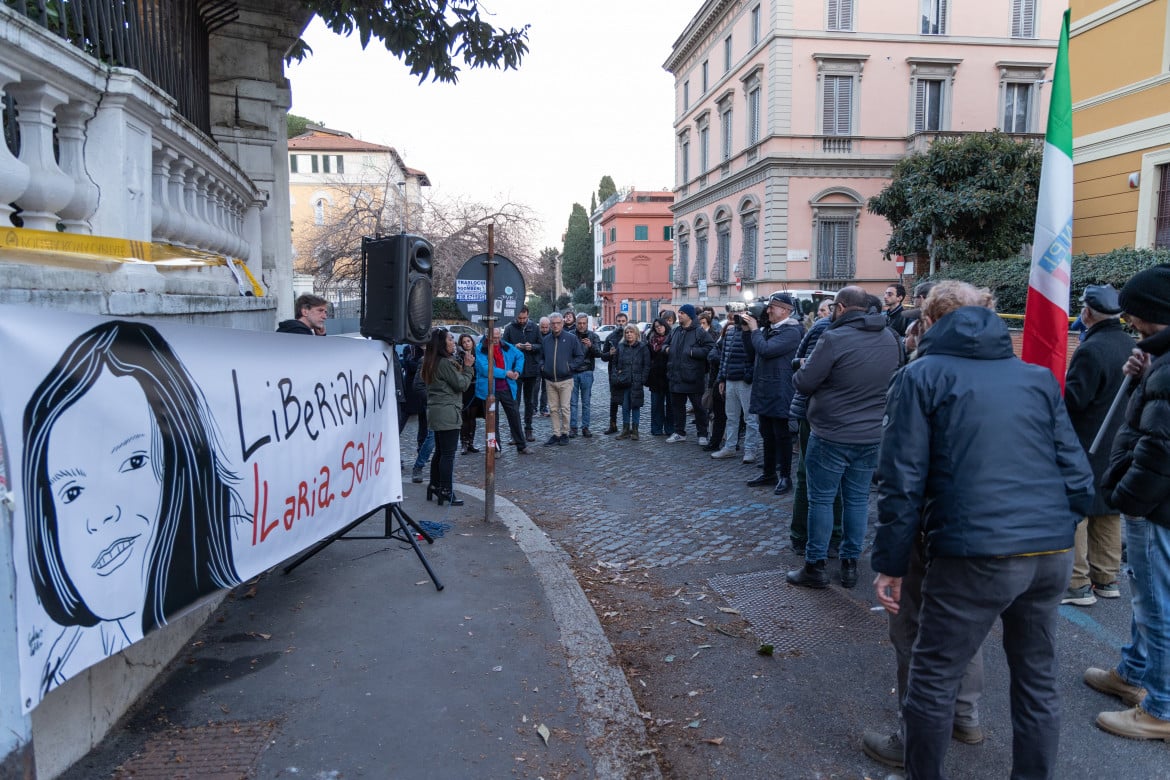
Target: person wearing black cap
(1138, 484)
(1093, 379)
(774, 344)
(686, 371)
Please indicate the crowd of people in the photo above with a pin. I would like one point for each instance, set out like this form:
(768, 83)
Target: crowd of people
(930, 404)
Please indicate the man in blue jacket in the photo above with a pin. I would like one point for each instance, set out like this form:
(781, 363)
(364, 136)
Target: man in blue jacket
(986, 464)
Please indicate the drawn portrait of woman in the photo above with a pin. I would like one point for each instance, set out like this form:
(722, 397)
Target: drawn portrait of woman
(129, 504)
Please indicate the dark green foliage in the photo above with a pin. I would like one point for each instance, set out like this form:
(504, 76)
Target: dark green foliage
(605, 188)
(428, 35)
(445, 309)
(563, 301)
(978, 193)
(582, 297)
(297, 124)
(1008, 279)
(577, 263)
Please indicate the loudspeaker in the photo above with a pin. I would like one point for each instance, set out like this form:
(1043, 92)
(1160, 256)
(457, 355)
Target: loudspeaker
(396, 288)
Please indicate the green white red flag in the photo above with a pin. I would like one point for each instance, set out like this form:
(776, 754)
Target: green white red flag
(1046, 315)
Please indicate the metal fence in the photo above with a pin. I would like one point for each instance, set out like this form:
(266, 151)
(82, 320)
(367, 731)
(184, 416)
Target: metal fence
(165, 40)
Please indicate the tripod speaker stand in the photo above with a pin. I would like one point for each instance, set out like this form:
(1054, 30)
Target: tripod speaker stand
(399, 525)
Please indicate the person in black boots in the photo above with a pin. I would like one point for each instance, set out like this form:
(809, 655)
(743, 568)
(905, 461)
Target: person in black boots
(608, 353)
(717, 407)
(774, 347)
(446, 380)
(524, 334)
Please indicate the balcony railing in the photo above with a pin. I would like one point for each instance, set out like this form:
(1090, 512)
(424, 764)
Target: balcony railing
(90, 148)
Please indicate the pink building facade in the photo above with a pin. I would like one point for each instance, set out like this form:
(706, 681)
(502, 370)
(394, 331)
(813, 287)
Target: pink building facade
(790, 115)
(635, 231)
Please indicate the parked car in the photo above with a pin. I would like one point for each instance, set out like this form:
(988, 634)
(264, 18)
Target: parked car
(604, 331)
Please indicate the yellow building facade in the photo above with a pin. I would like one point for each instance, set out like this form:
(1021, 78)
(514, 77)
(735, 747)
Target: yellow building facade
(1119, 63)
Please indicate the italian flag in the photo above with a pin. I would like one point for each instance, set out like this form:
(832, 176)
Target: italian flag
(1046, 315)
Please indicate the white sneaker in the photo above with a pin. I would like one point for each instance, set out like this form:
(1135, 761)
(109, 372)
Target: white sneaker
(723, 453)
(704, 441)
(749, 458)
(674, 437)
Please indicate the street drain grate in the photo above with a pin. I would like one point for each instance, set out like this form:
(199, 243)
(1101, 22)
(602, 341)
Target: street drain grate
(217, 751)
(792, 618)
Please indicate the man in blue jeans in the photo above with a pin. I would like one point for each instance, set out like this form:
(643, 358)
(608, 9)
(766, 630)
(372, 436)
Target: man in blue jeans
(845, 380)
(987, 467)
(583, 380)
(1138, 484)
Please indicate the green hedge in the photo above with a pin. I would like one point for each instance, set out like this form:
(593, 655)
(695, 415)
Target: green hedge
(1008, 279)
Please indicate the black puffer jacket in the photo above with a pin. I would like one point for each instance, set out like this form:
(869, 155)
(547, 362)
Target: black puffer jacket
(984, 458)
(1139, 467)
(1094, 376)
(629, 369)
(686, 366)
(774, 347)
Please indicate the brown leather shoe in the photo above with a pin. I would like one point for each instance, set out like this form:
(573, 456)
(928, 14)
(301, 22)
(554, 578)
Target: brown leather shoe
(1134, 723)
(1110, 682)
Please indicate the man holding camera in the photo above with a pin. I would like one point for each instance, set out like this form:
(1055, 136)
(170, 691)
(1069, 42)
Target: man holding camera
(774, 348)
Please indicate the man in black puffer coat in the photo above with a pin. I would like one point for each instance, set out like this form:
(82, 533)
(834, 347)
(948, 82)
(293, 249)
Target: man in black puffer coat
(1138, 482)
(686, 370)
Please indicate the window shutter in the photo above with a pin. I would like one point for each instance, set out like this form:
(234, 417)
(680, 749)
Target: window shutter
(845, 15)
(942, 17)
(1162, 219)
(844, 105)
(919, 106)
(829, 106)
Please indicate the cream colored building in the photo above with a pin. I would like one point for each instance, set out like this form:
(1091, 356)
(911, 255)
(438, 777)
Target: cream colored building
(790, 115)
(331, 176)
(1119, 66)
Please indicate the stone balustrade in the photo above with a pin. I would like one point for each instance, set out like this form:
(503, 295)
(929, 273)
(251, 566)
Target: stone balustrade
(103, 151)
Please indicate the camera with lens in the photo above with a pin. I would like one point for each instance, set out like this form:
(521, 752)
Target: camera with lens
(734, 309)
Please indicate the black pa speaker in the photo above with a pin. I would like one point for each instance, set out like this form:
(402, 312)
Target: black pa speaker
(396, 288)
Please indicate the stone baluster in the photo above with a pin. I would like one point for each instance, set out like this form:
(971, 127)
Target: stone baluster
(240, 246)
(71, 119)
(197, 206)
(49, 188)
(223, 238)
(13, 172)
(162, 211)
(183, 223)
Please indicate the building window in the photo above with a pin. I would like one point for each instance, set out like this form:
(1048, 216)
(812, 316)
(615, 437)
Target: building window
(684, 251)
(934, 17)
(755, 25)
(313, 163)
(725, 122)
(612, 234)
(747, 260)
(706, 83)
(928, 95)
(837, 112)
(840, 16)
(727, 54)
(700, 269)
(686, 95)
(704, 148)
(753, 119)
(1162, 216)
(641, 232)
(668, 232)
(719, 269)
(835, 249)
(292, 163)
(685, 151)
(319, 211)
(1017, 108)
(1023, 18)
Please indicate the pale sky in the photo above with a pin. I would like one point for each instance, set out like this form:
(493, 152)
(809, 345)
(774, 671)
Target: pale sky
(590, 98)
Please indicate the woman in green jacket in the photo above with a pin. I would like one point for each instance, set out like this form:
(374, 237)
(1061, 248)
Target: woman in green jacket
(446, 377)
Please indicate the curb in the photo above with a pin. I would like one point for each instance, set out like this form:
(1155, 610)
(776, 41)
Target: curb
(615, 733)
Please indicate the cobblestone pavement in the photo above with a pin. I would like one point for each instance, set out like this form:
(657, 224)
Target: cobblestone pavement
(684, 565)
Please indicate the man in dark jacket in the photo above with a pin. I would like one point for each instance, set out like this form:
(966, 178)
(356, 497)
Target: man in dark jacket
(581, 405)
(524, 334)
(608, 353)
(845, 380)
(985, 463)
(686, 371)
(1093, 379)
(895, 313)
(312, 311)
(1138, 483)
(563, 357)
(774, 344)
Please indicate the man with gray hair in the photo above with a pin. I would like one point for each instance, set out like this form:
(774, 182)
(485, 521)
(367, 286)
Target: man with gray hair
(563, 357)
(1093, 379)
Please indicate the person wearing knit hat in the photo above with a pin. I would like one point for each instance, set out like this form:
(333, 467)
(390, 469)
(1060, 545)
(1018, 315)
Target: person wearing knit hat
(686, 372)
(1137, 484)
(687, 309)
